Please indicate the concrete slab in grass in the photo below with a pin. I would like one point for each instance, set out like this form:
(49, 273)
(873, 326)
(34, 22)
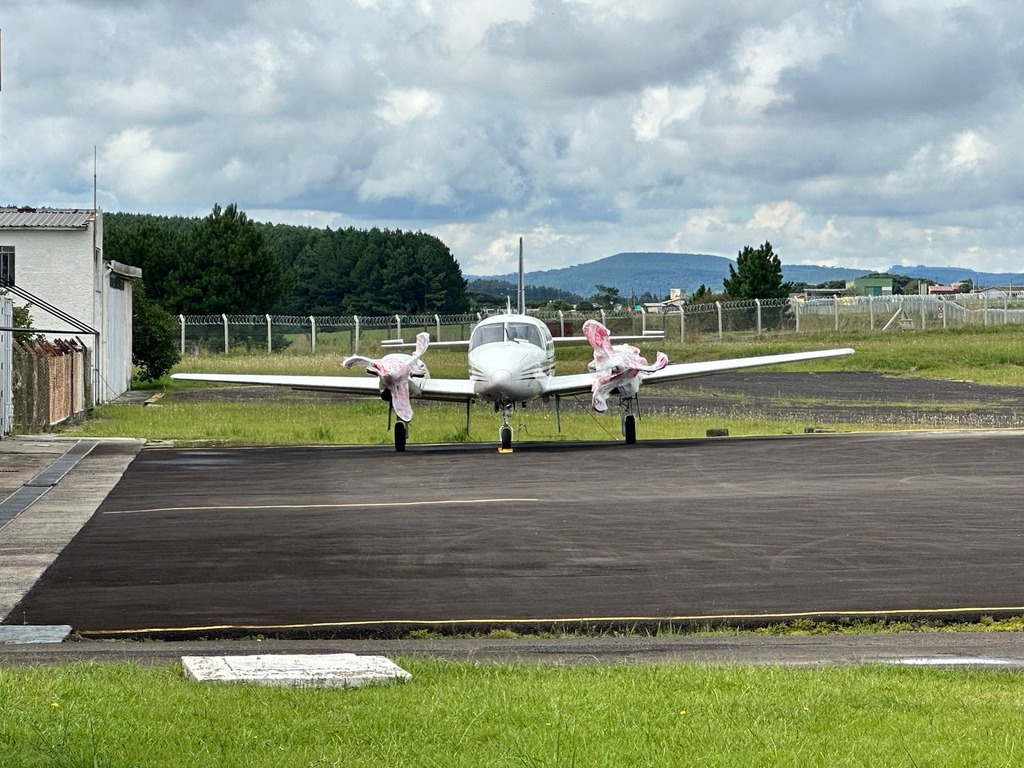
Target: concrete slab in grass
(329, 670)
(30, 634)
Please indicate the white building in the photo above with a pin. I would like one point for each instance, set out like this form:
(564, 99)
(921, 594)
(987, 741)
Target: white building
(56, 256)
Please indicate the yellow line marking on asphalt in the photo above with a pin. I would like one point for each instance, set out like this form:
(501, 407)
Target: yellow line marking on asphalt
(913, 612)
(351, 505)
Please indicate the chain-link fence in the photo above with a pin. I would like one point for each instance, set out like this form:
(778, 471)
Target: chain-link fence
(688, 323)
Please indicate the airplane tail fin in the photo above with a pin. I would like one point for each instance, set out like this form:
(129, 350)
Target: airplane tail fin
(521, 292)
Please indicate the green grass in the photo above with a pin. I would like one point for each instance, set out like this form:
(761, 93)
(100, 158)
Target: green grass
(465, 714)
(365, 423)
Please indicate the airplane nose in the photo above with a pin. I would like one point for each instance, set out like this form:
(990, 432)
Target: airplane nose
(500, 380)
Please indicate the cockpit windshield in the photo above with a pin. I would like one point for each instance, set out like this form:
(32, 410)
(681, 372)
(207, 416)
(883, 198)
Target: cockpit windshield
(511, 331)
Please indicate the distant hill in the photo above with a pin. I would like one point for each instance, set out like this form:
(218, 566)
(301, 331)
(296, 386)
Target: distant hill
(656, 273)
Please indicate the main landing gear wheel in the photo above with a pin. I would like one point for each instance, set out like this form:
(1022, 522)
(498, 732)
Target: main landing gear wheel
(401, 434)
(629, 428)
(506, 439)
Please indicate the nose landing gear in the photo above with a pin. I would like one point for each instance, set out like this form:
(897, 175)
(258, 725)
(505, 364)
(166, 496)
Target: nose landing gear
(505, 433)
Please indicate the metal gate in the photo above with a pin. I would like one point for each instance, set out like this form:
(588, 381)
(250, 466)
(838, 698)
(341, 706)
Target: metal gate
(6, 367)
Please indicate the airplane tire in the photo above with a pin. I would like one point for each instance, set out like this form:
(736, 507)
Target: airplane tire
(506, 438)
(629, 428)
(401, 433)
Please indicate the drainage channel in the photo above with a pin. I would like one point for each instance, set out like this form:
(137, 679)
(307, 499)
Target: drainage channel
(33, 490)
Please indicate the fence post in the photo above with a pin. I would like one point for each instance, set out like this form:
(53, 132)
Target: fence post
(721, 335)
(796, 313)
(871, 313)
(398, 326)
(270, 347)
(604, 320)
(984, 308)
(355, 335)
(924, 307)
(312, 335)
(181, 320)
(757, 302)
(437, 324)
(1006, 309)
(682, 324)
(643, 321)
(561, 323)
(835, 310)
(224, 318)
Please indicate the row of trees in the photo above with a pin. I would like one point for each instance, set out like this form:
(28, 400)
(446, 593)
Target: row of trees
(226, 263)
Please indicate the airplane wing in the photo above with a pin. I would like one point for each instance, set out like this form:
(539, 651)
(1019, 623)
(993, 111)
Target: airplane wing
(457, 390)
(581, 383)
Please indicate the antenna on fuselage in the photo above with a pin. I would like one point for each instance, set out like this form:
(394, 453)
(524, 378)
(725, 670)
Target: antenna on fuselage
(521, 295)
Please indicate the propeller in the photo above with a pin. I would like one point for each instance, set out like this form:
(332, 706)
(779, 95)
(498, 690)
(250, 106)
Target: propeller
(614, 366)
(394, 371)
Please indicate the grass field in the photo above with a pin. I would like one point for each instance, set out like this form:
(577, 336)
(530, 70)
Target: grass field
(465, 714)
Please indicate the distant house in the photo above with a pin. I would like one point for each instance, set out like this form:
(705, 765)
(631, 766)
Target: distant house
(54, 259)
(943, 290)
(663, 307)
(873, 285)
(677, 298)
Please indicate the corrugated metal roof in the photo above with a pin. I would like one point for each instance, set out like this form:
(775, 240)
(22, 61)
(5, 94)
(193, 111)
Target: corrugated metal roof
(44, 218)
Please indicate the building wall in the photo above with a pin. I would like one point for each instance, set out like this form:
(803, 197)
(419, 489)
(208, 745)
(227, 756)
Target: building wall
(59, 267)
(62, 267)
(116, 338)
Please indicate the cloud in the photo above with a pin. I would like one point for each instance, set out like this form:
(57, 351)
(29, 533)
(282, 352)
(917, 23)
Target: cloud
(847, 132)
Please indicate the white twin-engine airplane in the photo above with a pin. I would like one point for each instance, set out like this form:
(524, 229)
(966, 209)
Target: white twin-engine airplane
(512, 362)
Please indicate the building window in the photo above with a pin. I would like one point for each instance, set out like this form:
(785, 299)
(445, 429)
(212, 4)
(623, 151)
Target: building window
(6, 264)
(116, 282)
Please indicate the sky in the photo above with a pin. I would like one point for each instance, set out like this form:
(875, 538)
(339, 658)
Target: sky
(854, 133)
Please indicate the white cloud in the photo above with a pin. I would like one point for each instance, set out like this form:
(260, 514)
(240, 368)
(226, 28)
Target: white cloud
(402, 106)
(661, 106)
(967, 153)
(139, 169)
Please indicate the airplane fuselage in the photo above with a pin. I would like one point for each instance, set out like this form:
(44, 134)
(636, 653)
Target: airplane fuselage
(511, 357)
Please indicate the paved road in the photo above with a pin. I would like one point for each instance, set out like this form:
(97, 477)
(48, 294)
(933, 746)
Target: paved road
(366, 542)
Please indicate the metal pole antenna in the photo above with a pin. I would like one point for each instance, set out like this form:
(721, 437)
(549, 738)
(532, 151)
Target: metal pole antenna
(521, 295)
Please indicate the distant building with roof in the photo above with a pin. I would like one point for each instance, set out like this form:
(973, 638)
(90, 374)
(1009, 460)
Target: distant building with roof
(52, 260)
(873, 285)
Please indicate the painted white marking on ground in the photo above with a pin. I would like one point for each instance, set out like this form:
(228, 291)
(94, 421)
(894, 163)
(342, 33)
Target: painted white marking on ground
(328, 670)
(354, 505)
